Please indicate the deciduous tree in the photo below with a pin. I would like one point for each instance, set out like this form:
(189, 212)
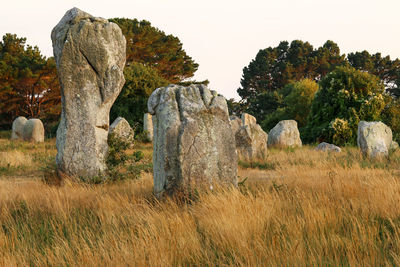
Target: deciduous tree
(28, 81)
(152, 47)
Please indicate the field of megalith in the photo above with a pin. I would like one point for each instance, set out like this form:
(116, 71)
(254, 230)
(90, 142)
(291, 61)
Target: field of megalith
(114, 152)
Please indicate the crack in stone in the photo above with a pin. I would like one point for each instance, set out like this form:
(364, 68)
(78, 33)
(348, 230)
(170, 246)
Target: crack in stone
(193, 145)
(97, 75)
(178, 99)
(104, 127)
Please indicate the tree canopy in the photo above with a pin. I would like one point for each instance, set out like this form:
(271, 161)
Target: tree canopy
(274, 67)
(28, 81)
(140, 82)
(386, 69)
(294, 101)
(152, 47)
(346, 96)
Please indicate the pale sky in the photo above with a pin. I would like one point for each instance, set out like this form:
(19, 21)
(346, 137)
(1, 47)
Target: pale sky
(223, 36)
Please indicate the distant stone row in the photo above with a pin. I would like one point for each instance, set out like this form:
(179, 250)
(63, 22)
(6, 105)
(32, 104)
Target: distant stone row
(31, 130)
(195, 143)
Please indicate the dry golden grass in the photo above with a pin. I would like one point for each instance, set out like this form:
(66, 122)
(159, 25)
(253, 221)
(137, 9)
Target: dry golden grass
(305, 208)
(15, 158)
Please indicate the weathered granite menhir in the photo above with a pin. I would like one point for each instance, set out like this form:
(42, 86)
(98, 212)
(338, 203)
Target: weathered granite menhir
(193, 142)
(251, 140)
(90, 57)
(148, 126)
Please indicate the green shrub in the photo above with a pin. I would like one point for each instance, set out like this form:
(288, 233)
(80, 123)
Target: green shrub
(121, 165)
(341, 131)
(391, 117)
(295, 100)
(346, 94)
(140, 82)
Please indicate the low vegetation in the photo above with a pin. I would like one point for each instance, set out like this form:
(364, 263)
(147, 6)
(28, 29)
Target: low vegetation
(299, 207)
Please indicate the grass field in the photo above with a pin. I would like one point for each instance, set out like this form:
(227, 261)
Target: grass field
(299, 207)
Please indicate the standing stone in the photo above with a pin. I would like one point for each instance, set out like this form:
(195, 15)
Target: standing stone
(121, 129)
(394, 146)
(327, 147)
(251, 140)
(148, 126)
(374, 139)
(236, 123)
(17, 128)
(33, 131)
(285, 134)
(90, 57)
(193, 141)
(247, 119)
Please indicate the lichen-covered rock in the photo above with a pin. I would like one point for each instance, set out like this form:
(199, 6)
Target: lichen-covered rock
(394, 146)
(327, 147)
(251, 140)
(374, 139)
(247, 119)
(285, 134)
(121, 129)
(193, 142)
(148, 126)
(236, 123)
(33, 131)
(90, 57)
(18, 127)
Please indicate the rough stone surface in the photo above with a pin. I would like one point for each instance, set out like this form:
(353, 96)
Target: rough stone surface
(90, 57)
(394, 146)
(33, 131)
(236, 123)
(148, 126)
(247, 119)
(251, 140)
(374, 138)
(17, 128)
(327, 147)
(285, 134)
(193, 141)
(121, 129)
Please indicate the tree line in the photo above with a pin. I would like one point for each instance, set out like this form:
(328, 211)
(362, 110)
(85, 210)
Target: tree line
(325, 91)
(29, 85)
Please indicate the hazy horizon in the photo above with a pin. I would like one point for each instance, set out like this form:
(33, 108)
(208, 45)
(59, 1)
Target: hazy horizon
(224, 36)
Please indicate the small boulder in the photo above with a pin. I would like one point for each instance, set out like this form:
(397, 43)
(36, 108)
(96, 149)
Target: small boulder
(18, 127)
(148, 126)
(285, 134)
(251, 140)
(327, 147)
(374, 138)
(33, 131)
(121, 129)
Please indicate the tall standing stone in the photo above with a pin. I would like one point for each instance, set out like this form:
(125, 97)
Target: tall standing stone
(193, 141)
(18, 127)
(148, 126)
(90, 57)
